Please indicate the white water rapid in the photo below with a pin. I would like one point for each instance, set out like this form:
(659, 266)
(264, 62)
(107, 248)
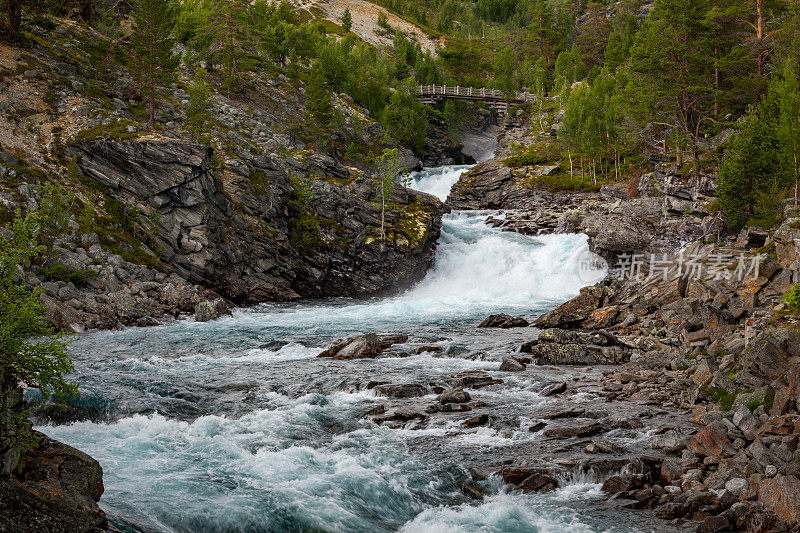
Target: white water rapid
(235, 425)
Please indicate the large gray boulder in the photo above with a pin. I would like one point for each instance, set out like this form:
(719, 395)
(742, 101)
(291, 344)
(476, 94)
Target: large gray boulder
(767, 356)
(56, 489)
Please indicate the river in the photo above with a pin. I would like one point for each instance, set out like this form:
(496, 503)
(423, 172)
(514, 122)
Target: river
(235, 425)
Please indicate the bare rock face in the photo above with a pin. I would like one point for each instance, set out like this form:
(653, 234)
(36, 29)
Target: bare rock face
(198, 232)
(251, 240)
(347, 253)
(56, 488)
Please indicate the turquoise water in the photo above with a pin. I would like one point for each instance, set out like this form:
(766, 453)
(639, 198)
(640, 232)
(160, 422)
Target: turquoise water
(236, 425)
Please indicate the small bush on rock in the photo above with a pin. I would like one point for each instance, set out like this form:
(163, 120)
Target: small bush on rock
(792, 298)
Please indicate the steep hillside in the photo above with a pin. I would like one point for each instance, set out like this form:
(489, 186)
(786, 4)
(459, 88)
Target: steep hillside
(154, 220)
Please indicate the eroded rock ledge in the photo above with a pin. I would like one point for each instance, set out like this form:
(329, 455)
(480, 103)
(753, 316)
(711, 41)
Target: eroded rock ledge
(265, 231)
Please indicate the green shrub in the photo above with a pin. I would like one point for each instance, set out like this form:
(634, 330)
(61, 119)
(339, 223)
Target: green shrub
(792, 298)
(61, 272)
(526, 159)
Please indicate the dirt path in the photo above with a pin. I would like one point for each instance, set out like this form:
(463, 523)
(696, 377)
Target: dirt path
(365, 22)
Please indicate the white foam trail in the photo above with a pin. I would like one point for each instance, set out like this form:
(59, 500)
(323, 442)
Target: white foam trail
(478, 270)
(503, 512)
(437, 181)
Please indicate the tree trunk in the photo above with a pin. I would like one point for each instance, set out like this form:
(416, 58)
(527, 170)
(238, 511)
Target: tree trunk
(569, 152)
(383, 209)
(14, 16)
(151, 109)
(86, 11)
(760, 35)
(716, 84)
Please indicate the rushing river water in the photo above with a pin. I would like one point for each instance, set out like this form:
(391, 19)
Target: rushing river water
(236, 425)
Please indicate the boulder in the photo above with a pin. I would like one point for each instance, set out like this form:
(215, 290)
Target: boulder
(474, 379)
(601, 445)
(512, 364)
(402, 390)
(712, 441)
(55, 488)
(368, 345)
(781, 494)
(530, 479)
(455, 395)
(364, 346)
(428, 349)
(767, 356)
(570, 313)
(210, 310)
(475, 421)
(621, 483)
(559, 347)
(504, 321)
(539, 482)
(746, 422)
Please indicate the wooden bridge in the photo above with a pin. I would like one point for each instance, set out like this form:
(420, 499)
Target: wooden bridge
(498, 100)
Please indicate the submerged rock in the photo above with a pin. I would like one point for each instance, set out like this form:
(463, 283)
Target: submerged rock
(504, 321)
(364, 346)
(512, 364)
(402, 390)
(576, 429)
(554, 388)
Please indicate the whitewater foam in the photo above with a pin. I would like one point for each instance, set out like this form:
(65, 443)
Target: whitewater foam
(437, 181)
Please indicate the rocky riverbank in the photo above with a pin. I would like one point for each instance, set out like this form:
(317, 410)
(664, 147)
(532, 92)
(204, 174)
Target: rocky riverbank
(696, 323)
(156, 223)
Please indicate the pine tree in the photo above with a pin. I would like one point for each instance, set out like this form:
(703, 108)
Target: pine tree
(200, 101)
(747, 171)
(389, 170)
(593, 36)
(786, 93)
(504, 71)
(672, 65)
(318, 102)
(347, 20)
(154, 64)
(542, 38)
(224, 39)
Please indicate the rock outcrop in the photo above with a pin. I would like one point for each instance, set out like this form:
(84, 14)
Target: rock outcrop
(504, 321)
(56, 489)
(561, 347)
(257, 237)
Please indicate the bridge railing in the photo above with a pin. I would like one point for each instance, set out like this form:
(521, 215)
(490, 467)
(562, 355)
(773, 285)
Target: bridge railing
(482, 93)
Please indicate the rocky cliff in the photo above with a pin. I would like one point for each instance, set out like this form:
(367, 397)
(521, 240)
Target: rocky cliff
(158, 223)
